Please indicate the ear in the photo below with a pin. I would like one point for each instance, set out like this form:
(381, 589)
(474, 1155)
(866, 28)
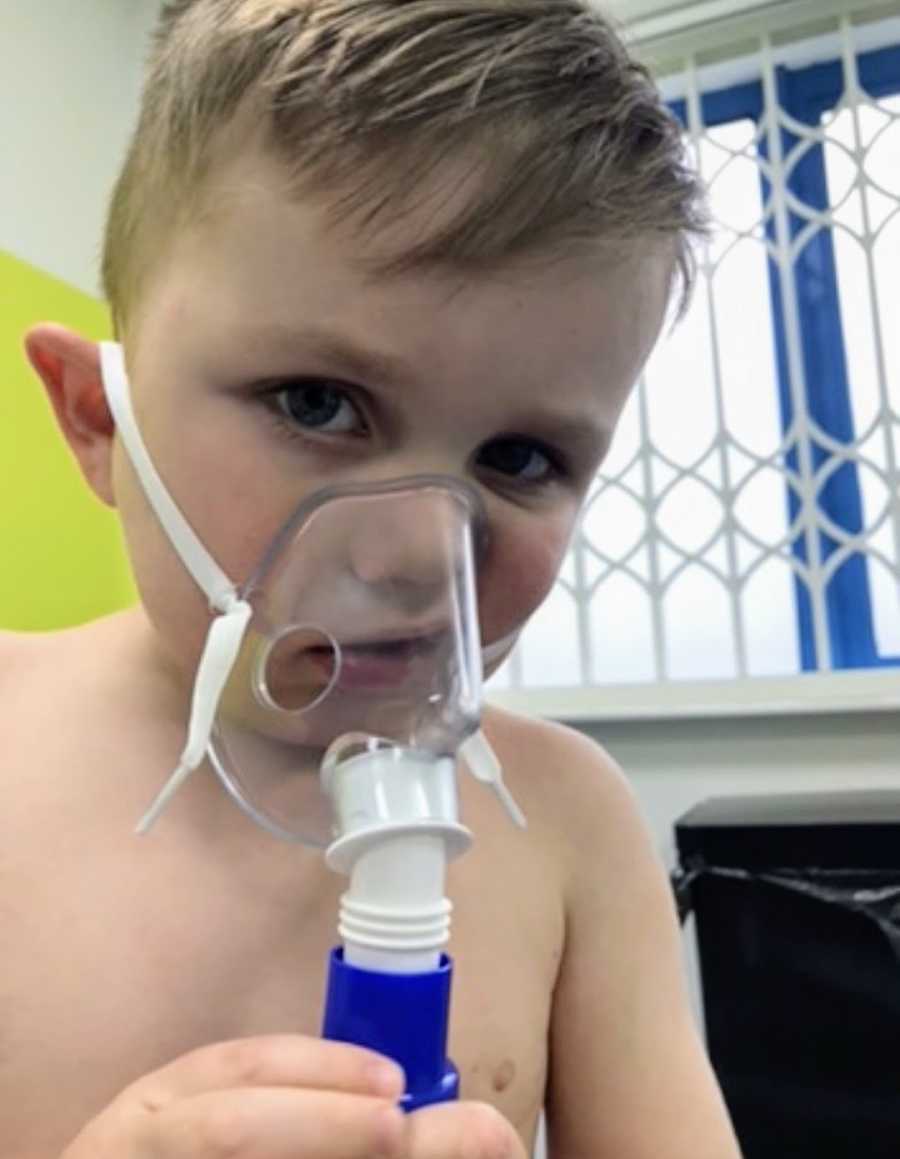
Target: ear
(69, 367)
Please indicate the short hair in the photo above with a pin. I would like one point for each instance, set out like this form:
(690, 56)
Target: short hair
(565, 135)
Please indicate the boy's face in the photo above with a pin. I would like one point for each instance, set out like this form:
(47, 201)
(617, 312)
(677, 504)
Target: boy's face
(266, 363)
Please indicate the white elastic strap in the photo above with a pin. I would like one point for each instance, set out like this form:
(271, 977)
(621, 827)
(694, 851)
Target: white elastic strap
(217, 587)
(483, 764)
(223, 642)
(226, 633)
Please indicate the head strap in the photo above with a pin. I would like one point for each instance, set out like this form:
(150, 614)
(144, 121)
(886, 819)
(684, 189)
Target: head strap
(226, 632)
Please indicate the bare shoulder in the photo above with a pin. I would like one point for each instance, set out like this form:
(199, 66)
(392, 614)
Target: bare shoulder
(26, 657)
(13, 645)
(55, 676)
(37, 679)
(20, 654)
(583, 813)
(529, 740)
(562, 775)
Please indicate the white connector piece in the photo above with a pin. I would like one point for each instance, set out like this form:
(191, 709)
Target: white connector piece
(398, 827)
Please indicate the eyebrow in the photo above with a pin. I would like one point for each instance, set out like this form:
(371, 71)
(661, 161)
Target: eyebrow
(580, 433)
(356, 361)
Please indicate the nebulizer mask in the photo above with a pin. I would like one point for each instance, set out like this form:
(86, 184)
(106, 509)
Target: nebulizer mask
(337, 687)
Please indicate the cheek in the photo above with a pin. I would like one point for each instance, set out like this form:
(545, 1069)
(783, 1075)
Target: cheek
(174, 604)
(522, 564)
(232, 507)
(236, 501)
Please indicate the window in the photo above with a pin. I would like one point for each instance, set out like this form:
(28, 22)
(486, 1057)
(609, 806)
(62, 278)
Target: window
(762, 536)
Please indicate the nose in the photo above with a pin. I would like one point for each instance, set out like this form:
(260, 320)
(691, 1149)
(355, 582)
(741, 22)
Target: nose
(406, 552)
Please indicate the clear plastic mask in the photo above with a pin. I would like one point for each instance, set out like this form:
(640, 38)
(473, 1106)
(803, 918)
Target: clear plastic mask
(364, 622)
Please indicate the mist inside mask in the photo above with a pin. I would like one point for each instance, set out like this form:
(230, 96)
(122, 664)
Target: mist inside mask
(364, 623)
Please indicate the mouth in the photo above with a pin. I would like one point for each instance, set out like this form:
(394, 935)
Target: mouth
(387, 662)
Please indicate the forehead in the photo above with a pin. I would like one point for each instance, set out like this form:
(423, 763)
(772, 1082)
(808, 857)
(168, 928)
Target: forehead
(260, 268)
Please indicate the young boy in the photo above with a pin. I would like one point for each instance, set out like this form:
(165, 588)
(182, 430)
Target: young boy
(354, 240)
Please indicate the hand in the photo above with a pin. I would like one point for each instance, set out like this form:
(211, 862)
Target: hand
(255, 1098)
(460, 1131)
(286, 1098)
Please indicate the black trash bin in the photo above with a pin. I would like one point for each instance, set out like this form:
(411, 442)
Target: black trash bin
(797, 906)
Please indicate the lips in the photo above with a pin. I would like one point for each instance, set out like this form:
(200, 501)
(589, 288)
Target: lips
(379, 665)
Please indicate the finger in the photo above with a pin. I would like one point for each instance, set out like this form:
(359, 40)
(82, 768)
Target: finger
(271, 1061)
(276, 1124)
(461, 1131)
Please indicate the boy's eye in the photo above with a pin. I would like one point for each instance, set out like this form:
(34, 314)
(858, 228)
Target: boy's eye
(319, 405)
(522, 459)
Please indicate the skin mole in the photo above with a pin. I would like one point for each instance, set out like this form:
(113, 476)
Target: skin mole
(504, 1075)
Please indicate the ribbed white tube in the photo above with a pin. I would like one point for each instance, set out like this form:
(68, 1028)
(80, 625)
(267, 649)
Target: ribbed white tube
(394, 917)
(397, 823)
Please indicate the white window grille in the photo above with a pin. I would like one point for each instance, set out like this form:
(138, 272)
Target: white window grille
(747, 522)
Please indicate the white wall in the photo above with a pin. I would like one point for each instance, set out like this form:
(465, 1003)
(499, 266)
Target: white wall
(628, 11)
(674, 764)
(69, 79)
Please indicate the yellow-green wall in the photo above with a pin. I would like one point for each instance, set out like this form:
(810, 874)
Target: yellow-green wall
(61, 555)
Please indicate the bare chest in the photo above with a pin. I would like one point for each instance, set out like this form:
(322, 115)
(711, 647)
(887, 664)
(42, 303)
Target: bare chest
(122, 954)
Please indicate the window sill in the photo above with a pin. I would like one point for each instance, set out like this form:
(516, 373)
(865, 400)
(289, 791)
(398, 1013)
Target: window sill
(812, 694)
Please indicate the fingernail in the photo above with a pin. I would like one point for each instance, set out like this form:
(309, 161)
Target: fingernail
(387, 1080)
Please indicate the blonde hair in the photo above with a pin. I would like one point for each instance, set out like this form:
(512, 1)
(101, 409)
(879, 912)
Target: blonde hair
(368, 100)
